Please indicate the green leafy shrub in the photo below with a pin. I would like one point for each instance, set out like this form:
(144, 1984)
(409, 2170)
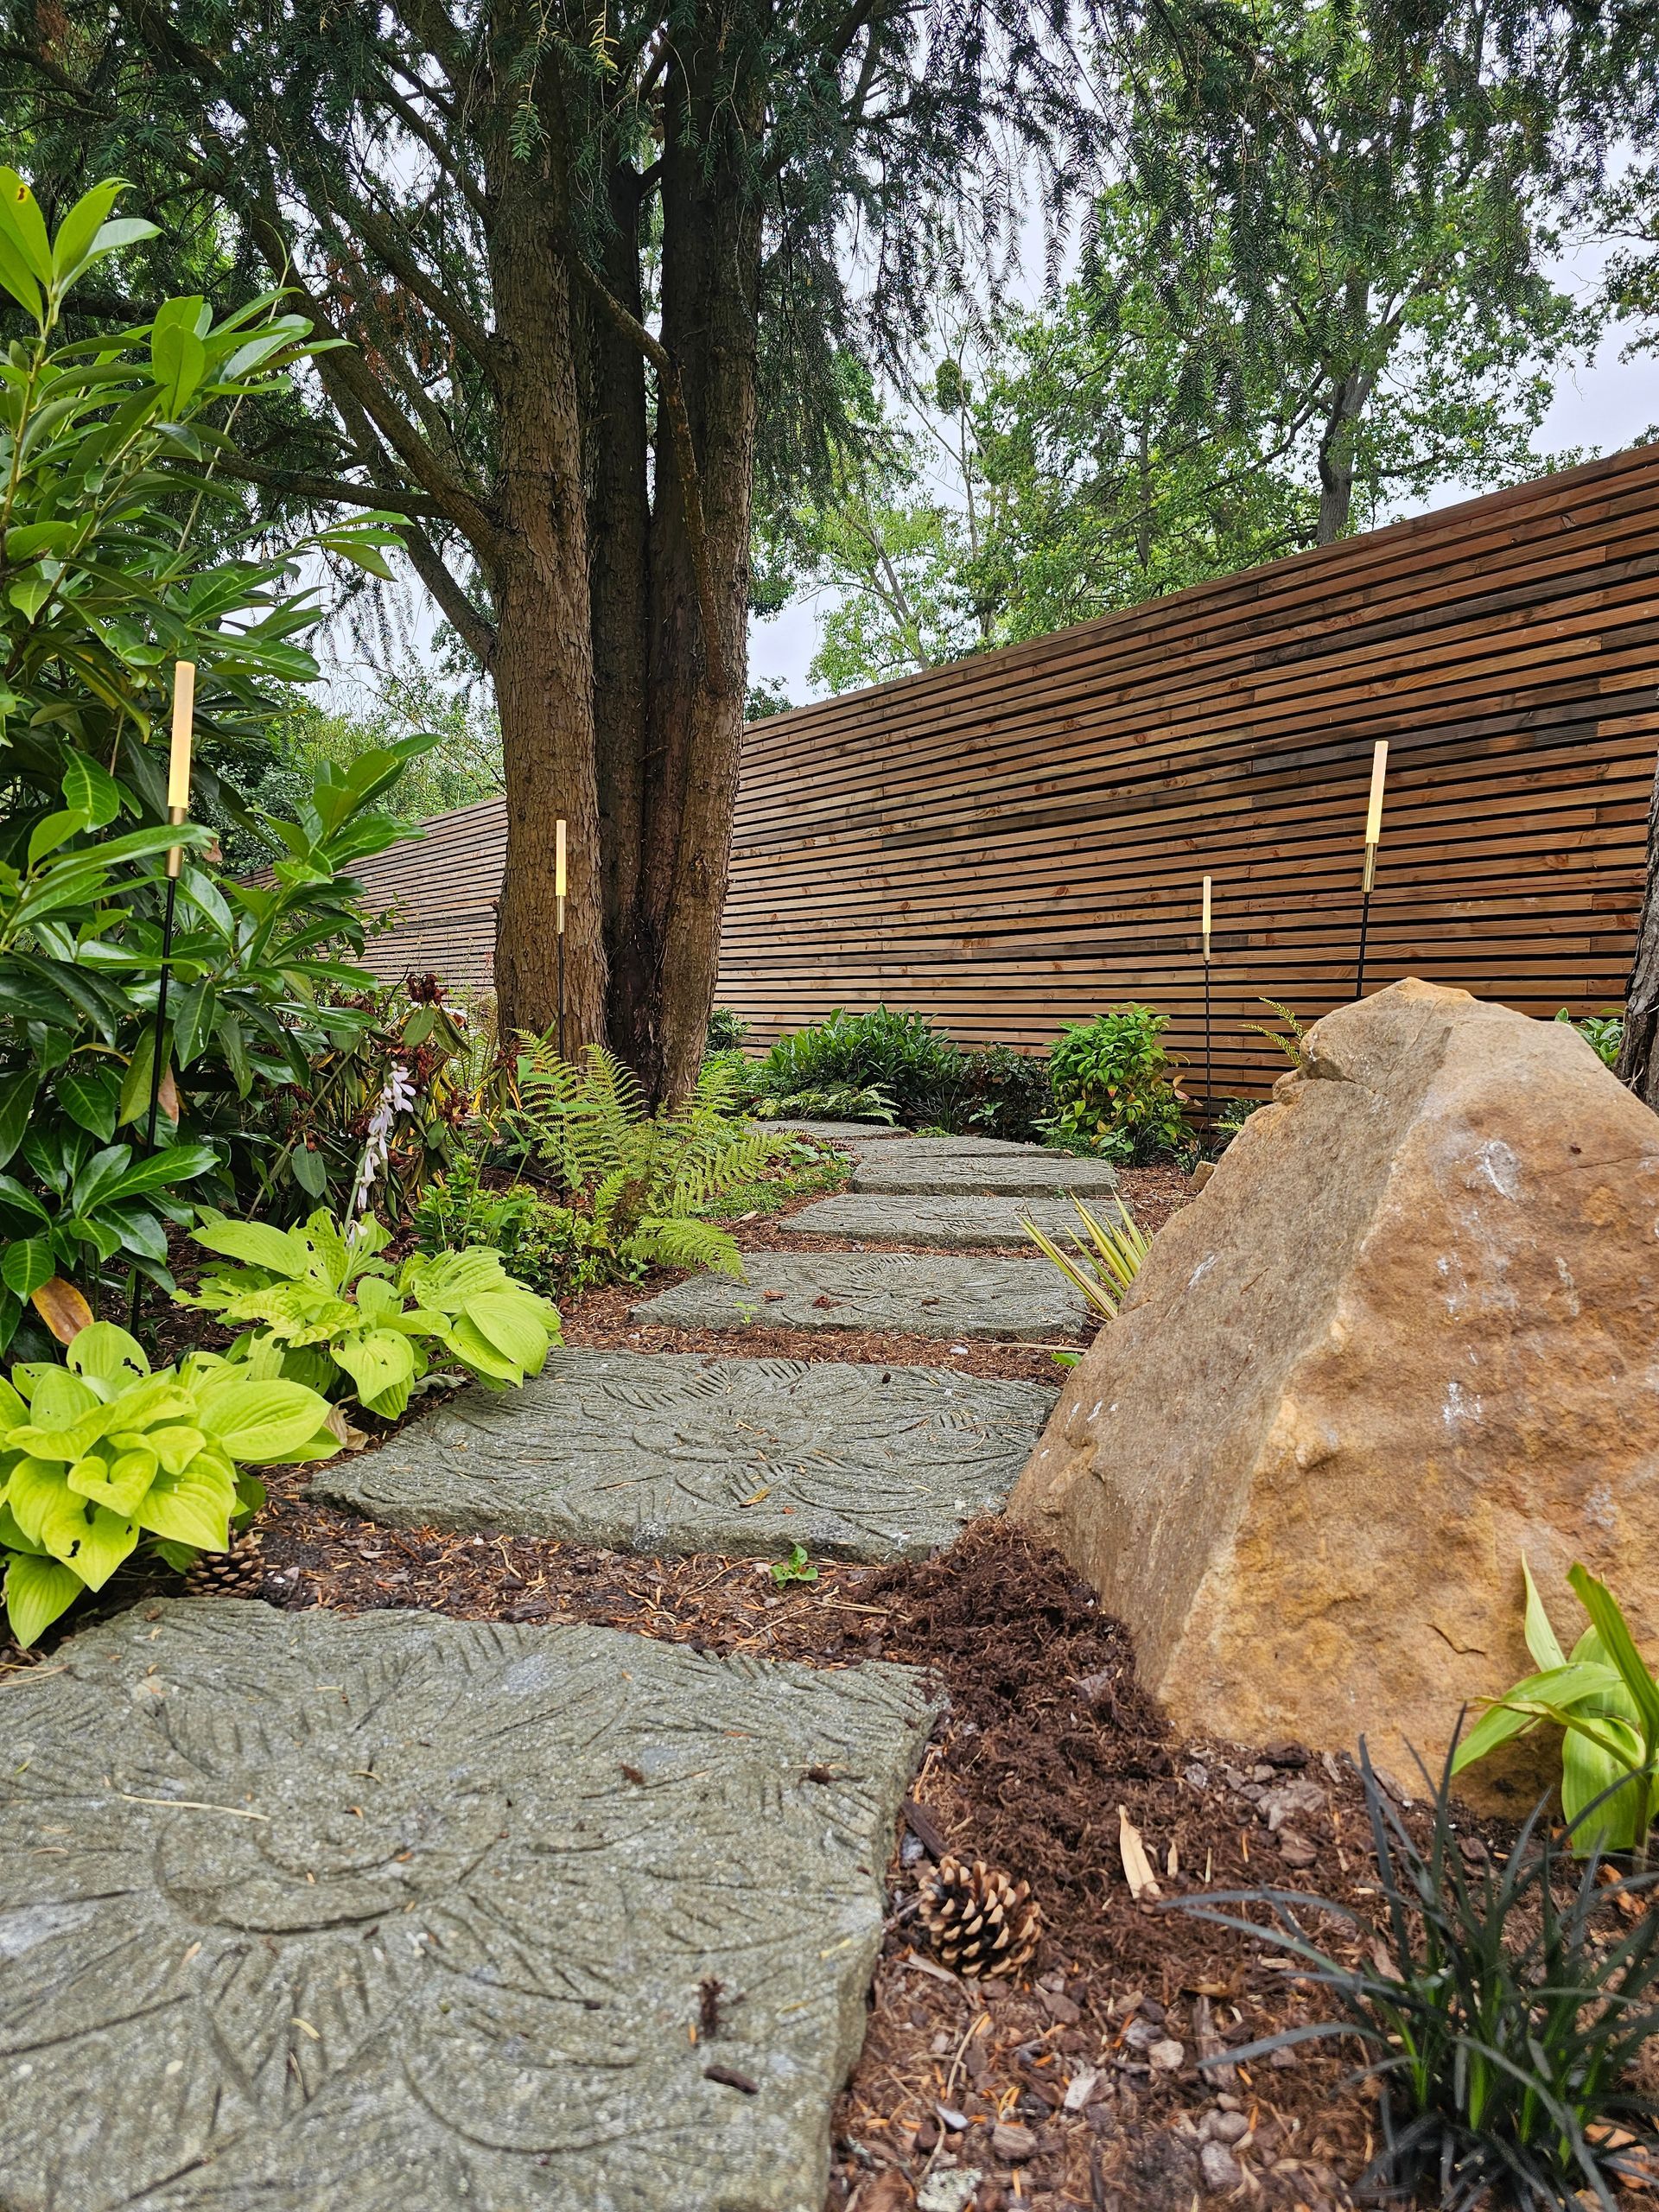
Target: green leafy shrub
(1502, 2020)
(1605, 1700)
(637, 1181)
(127, 546)
(726, 1030)
(549, 1247)
(998, 1093)
(101, 1456)
(1602, 1033)
(1113, 1086)
(320, 1305)
(835, 1102)
(901, 1055)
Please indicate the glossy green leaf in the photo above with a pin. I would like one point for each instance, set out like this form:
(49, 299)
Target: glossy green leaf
(27, 1266)
(16, 1099)
(38, 1589)
(90, 1096)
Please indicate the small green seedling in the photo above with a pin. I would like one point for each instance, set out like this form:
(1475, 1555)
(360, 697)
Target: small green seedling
(797, 1568)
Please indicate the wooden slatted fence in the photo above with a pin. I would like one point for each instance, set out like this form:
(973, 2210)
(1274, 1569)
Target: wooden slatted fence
(1018, 839)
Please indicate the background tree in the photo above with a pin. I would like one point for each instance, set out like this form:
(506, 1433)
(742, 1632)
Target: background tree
(589, 274)
(1389, 174)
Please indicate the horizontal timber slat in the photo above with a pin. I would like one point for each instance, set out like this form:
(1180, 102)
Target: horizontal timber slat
(1018, 839)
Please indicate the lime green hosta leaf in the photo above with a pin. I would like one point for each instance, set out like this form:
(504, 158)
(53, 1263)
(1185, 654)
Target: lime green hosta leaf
(88, 1538)
(259, 1421)
(106, 1354)
(194, 1508)
(470, 1344)
(60, 1398)
(12, 1538)
(381, 1363)
(519, 1325)
(1541, 1640)
(377, 1300)
(256, 1244)
(1588, 1770)
(118, 1484)
(175, 1447)
(452, 1278)
(1620, 1647)
(38, 1589)
(34, 1488)
(13, 1413)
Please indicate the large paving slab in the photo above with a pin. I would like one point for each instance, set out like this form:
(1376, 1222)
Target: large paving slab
(1029, 1172)
(403, 1914)
(959, 1223)
(943, 1294)
(669, 1452)
(832, 1130)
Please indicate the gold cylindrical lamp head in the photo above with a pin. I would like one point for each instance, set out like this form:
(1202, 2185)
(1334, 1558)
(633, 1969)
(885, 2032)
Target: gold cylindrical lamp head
(178, 765)
(1206, 918)
(558, 873)
(1374, 811)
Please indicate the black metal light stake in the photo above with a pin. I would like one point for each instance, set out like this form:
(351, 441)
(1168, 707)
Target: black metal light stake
(1373, 837)
(1209, 1079)
(558, 916)
(178, 808)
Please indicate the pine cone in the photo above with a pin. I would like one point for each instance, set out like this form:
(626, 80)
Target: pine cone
(977, 1920)
(239, 1573)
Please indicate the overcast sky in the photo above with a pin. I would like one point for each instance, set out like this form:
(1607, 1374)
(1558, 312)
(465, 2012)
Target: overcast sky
(1604, 407)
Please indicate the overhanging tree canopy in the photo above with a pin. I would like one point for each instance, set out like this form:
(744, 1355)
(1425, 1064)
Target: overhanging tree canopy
(595, 272)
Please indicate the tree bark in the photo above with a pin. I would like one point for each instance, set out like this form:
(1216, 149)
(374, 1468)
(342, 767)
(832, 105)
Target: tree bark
(543, 660)
(1638, 1057)
(663, 985)
(619, 566)
(1348, 403)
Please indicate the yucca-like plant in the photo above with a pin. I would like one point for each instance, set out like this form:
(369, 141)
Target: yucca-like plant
(1106, 1264)
(641, 1178)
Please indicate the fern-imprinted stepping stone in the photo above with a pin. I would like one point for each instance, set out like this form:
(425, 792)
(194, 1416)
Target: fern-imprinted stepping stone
(400, 1913)
(939, 1294)
(1027, 1171)
(670, 1452)
(960, 1223)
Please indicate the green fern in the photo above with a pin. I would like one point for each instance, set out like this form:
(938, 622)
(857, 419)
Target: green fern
(640, 1177)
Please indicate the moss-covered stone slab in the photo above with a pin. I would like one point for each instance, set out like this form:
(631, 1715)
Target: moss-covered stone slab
(402, 1913)
(1024, 1170)
(670, 1452)
(953, 1224)
(939, 1294)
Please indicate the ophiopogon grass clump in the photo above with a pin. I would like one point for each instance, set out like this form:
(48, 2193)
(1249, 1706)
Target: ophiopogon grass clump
(1501, 2009)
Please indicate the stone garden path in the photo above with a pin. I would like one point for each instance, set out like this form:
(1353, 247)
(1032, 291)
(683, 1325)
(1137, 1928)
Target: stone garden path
(397, 1913)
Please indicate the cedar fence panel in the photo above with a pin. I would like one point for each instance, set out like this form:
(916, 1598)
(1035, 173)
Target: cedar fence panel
(1017, 841)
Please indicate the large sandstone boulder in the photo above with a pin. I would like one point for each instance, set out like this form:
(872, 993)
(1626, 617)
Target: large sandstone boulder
(1408, 1331)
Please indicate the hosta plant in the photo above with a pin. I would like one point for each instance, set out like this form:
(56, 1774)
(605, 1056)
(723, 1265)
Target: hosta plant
(1605, 1699)
(102, 1455)
(340, 1317)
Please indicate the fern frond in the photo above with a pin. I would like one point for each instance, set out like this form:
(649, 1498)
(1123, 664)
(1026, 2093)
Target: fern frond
(684, 1243)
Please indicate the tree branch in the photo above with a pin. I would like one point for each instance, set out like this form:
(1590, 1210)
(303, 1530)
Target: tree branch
(685, 466)
(331, 491)
(470, 626)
